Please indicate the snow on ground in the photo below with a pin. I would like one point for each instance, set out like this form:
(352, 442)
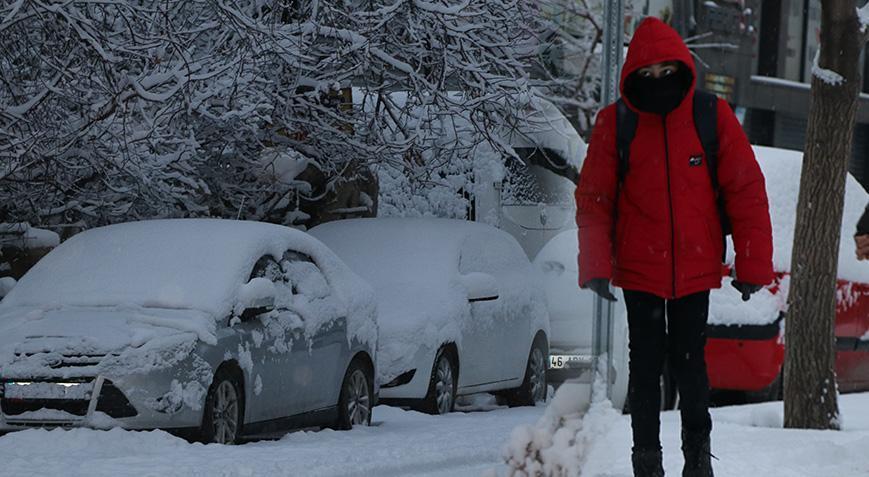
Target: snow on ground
(401, 443)
(748, 441)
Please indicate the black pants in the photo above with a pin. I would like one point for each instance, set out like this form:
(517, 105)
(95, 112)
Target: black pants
(680, 339)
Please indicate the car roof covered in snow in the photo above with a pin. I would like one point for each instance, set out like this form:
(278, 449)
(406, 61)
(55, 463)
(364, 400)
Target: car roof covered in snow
(178, 263)
(408, 249)
(782, 169)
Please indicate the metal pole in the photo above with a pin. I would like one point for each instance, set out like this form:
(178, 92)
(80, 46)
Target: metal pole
(613, 50)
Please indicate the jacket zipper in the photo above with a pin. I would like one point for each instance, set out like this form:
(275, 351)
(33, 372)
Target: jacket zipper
(670, 200)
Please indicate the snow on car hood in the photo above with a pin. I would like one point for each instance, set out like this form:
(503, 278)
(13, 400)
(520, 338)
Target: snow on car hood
(77, 341)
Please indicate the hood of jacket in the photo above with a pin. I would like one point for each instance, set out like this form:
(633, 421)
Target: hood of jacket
(656, 42)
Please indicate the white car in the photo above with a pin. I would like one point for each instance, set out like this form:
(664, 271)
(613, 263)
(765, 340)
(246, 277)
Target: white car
(459, 309)
(571, 313)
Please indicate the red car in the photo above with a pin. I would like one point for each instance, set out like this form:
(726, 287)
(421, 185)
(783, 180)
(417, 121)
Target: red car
(745, 348)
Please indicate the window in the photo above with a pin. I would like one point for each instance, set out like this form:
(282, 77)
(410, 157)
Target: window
(267, 267)
(303, 275)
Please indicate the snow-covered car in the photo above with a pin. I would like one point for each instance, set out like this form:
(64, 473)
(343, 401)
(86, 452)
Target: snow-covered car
(571, 314)
(458, 308)
(745, 347)
(216, 328)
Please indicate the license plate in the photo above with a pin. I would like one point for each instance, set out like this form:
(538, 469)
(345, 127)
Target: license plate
(561, 361)
(43, 390)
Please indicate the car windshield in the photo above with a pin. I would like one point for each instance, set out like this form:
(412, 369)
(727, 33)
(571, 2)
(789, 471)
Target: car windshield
(180, 264)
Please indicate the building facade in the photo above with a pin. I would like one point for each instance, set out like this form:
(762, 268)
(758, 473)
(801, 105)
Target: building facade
(758, 55)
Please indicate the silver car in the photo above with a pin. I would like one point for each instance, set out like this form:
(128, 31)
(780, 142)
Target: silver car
(216, 328)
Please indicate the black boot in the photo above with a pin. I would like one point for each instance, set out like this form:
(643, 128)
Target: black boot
(695, 448)
(647, 463)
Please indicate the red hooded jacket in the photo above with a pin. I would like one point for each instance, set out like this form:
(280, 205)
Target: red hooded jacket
(661, 233)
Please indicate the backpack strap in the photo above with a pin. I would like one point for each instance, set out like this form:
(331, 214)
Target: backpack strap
(706, 123)
(626, 128)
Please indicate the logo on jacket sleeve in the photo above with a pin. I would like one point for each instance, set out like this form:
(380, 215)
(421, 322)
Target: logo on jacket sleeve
(695, 161)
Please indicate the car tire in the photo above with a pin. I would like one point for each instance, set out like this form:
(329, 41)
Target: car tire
(534, 386)
(443, 384)
(223, 416)
(356, 400)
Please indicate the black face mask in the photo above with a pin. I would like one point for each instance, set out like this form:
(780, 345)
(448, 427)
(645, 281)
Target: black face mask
(658, 95)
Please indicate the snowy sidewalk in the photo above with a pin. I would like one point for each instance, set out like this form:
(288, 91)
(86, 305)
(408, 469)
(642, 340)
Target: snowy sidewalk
(748, 441)
(402, 443)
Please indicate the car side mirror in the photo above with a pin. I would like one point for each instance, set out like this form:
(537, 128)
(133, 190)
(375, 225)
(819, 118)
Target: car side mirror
(255, 298)
(551, 266)
(6, 285)
(480, 286)
(251, 312)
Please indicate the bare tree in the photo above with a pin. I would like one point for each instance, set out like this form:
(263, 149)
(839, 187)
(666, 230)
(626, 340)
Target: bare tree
(810, 399)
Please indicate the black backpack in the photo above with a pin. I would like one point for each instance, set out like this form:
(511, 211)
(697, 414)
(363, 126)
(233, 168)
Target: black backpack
(705, 121)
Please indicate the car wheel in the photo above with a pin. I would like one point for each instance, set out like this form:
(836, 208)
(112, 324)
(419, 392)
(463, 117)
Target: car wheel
(224, 409)
(441, 396)
(533, 389)
(356, 398)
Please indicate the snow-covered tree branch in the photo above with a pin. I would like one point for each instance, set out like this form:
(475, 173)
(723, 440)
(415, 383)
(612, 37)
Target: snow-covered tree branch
(113, 110)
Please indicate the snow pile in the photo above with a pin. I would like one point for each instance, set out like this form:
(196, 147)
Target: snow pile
(767, 415)
(560, 442)
(416, 268)
(23, 236)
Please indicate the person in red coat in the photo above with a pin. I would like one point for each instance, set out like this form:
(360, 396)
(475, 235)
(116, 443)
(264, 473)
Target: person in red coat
(658, 235)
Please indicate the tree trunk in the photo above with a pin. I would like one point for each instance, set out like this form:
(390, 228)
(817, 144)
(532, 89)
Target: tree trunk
(810, 399)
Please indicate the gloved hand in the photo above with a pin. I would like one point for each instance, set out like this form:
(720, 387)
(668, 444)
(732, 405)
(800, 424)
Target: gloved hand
(747, 289)
(601, 286)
